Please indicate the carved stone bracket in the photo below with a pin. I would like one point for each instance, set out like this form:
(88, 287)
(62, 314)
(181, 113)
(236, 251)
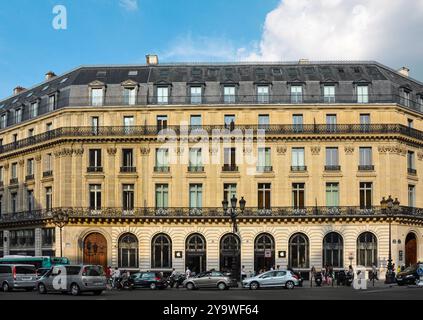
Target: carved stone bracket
(315, 151)
(420, 156)
(396, 149)
(78, 152)
(349, 150)
(21, 162)
(248, 150)
(281, 150)
(214, 150)
(112, 151)
(6, 166)
(145, 151)
(38, 157)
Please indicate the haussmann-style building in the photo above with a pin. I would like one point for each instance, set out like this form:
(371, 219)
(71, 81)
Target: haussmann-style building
(127, 166)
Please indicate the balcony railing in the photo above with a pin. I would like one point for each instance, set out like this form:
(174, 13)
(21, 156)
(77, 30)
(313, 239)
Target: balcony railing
(162, 169)
(366, 168)
(195, 169)
(94, 169)
(128, 169)
(230, 168)
(298, 168)
(14, 181)
(29, 177)
(282, 129)
(264, 169)
(412, 172)
(47, 174)
(145, 213)
(332, 168)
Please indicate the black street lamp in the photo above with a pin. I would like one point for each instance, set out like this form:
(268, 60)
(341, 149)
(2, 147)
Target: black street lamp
(232, 211)
(390, 207)
(60, 220)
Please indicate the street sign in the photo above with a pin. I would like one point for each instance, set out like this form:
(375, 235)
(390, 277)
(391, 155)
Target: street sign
(268, 253)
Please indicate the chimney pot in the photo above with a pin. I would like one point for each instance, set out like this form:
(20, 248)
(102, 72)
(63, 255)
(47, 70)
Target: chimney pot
(18, 90)
(152, 59)
(405, 71)
(304, 61)
(50, 75)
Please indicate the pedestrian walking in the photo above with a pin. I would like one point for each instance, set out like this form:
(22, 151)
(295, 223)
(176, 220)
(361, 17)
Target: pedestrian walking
(115, 277)
(243, 273)
(188, 273)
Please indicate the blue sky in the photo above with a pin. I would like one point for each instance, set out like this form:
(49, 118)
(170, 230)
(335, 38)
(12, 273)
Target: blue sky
(123, 31)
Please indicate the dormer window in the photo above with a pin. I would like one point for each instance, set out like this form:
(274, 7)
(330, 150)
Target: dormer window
(229, 94)
(163, 95)
(51, 104)
(18, 115)
(362, 94)
(296, 94)
(196, 94)
(405, 97)
(129, 95)
(33, 109)
(3, 121)
(263, 94)
(329, 93)
(420, 102)
(97, 97)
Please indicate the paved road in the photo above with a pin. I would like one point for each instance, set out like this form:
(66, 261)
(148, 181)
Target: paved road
(306, 293)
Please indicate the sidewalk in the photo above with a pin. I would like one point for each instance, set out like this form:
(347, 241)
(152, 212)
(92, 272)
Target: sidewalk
(380, 284)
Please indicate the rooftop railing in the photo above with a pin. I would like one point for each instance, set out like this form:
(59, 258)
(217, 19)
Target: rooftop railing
(137, 131)
(144, 213)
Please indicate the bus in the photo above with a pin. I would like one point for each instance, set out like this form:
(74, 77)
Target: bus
(38, 262)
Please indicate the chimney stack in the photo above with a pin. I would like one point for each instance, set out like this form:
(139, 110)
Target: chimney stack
(304, 61)
(18, 90)
(50, 75)
(404, 71)
(152, 59)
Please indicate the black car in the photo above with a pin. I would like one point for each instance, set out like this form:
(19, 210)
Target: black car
(408, 276)
(152, 280)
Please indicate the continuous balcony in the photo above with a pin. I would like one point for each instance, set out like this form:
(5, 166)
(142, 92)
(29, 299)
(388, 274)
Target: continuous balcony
(264, 169)
(47, 174)
(153, 131)
(95, 169)
(37, 216)
(230, 168)
(162, 169)
(29, 177)
(128, 169)
(332, 168)
(195, 169)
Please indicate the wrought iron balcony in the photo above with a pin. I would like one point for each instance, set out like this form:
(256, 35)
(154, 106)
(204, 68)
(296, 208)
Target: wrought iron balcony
(29, 177)
(14, 181)
(366, 168)
(94, 169)
(298, 168)
(195, 169)
(222, 130)
(162, 169)
(412, 172)
(230, 168)
(47, 174)
(332, 168)
(156, 213)
(264, 169)
(128, 169)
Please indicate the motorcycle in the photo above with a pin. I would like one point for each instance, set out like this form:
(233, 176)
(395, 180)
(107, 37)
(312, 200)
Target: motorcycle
(124, 284)
(176, 280)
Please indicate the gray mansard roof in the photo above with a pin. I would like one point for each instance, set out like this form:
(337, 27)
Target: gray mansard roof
(73, 85)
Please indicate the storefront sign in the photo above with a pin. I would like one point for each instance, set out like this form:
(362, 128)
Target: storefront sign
(178, 254)
(282, 254)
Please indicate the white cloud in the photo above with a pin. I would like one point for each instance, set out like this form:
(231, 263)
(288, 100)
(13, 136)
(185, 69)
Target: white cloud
(389, 31)
(130, 5)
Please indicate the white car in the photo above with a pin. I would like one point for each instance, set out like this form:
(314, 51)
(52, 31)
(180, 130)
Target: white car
(272, 279)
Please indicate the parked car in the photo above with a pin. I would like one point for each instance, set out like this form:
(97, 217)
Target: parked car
(17, 276)
(74, 279)
(272, 279)
(408, 276)
(210, 279)
(152, 280)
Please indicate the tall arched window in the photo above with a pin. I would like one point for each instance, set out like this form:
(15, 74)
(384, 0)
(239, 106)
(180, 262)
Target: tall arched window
(367, 249)
(299, 251)
(195, 253)
(264, 252)
(128, 251)
(230, 254)
(333, 250)
(161, 252)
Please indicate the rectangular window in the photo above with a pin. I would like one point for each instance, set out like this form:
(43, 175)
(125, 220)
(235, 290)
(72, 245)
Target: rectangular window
(95, 158)
(332, 195)
(48, 237)
(410, 123)
(1, 175)
(229, 121)
(411, 162)
(3, 121)
(331, 121)
(49, 126)
(127, 158)
(196, 95)
(48, 162)
(195, 196)
(14, 170)
(18, 115)
(264, 160)
(129, 96)
(412, 196)
(95, 123)
(420, 102)
(362, 94)
(263, 94)
(263, 121)
(264, 192)
(195, 121)
(33, 111)
(229, 94)
(51, 103)
(162, 95)
(296, 94)
(161, 123)
(298, 159)
(14, 202)
(366, 193)
(30, 200)
(162, 196)
(30, 133)
(332, 157)
(128, 197)
(298, 195)
(229, 157)
(97, 97)
(162, 158)
(15, 137)
(365, 119)
(95, 197)
(30, 167)
(406, 98)
(229, 190)
(366, 156)
(329, 94)
(195, 158)
(298, 122)
(49, 198)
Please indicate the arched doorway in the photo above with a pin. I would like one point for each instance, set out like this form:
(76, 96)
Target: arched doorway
(161, 252)
(299, 256)
(367, 250)
(333, 250)
(264, 252)
(128, 251)
(95, 249)
(195, 253)
(230, 254)
(410, 249)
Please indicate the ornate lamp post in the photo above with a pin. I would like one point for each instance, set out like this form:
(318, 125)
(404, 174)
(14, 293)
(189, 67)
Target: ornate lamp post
(60, 220)
(232, 211)
(390, 207)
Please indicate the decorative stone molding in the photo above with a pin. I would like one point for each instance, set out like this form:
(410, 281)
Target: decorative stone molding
(281, 150)
(248, 150)
(315, 151)
(396, 149)
(179, 150)
(145, 151)
(214, 150)
(21, 162)
(78, 152)
(349, 150)
(112, 151)
(420, 156)
(38, 157)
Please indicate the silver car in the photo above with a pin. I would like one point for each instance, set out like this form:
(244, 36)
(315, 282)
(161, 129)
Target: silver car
(210, 279)
(73, 279)
(17, 276)
(272, 279)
